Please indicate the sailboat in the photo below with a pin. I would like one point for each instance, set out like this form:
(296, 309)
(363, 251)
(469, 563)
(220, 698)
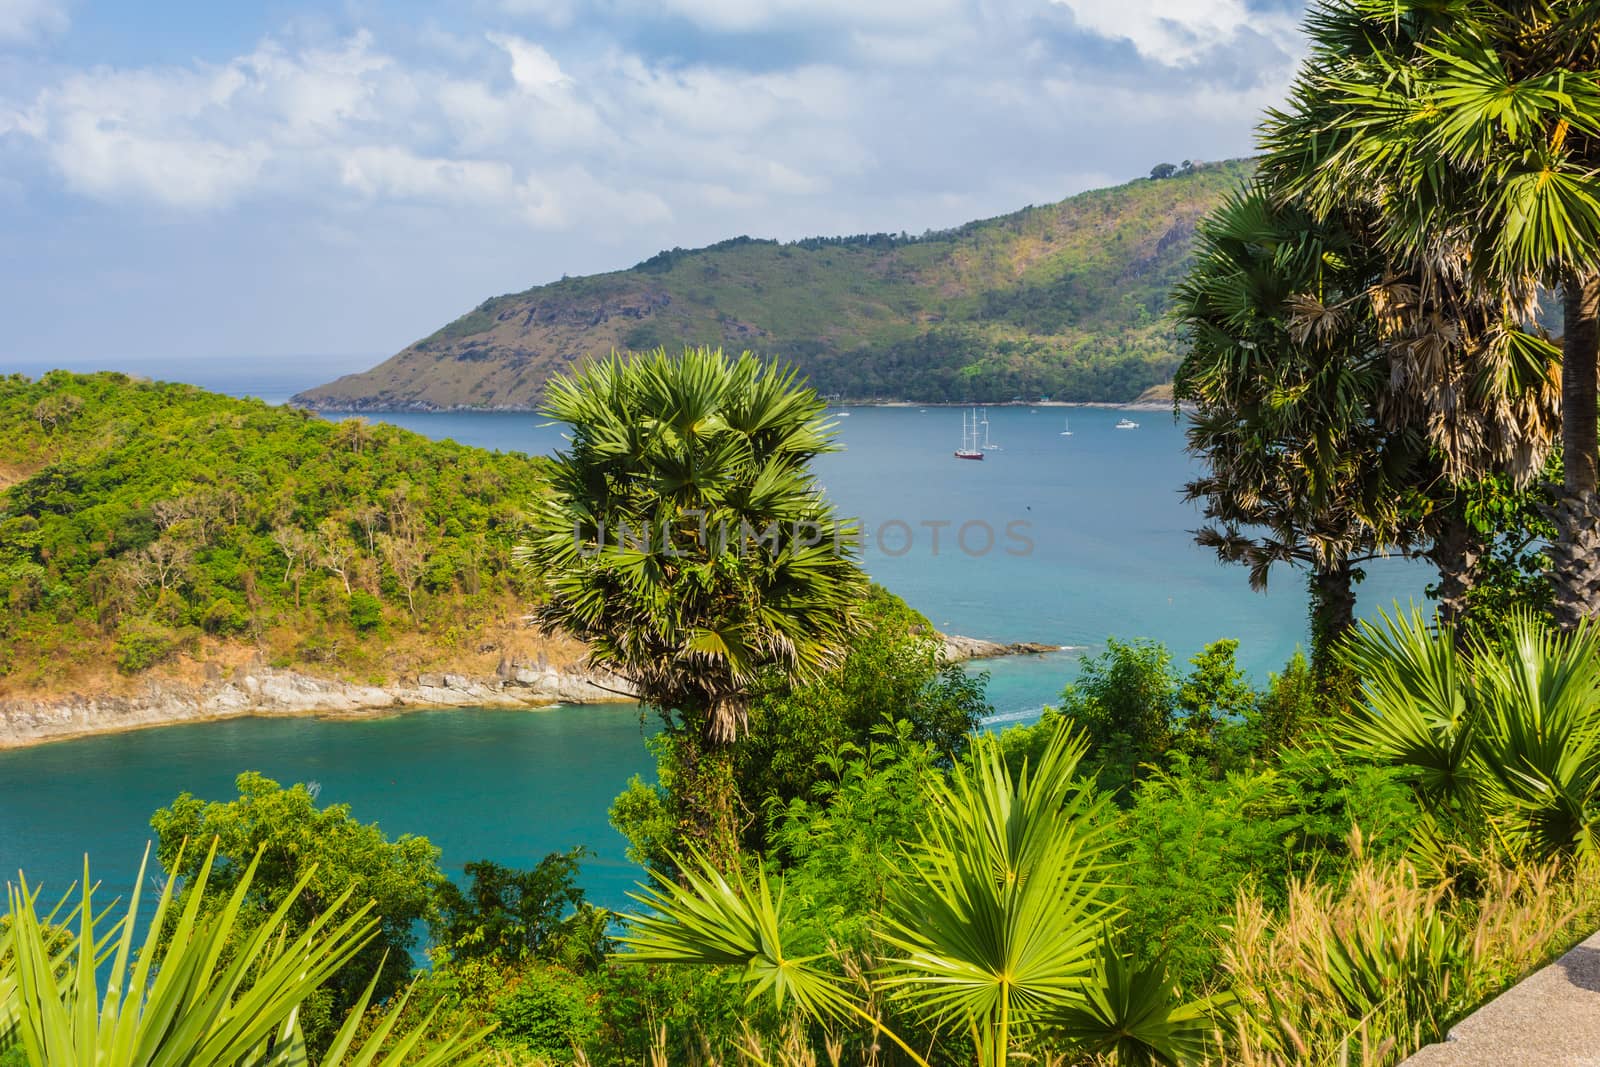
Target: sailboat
(969, 438)
(1066, 427)
(988, 446)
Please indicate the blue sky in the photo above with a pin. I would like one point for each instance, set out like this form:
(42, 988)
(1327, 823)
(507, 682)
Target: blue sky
(250, 184)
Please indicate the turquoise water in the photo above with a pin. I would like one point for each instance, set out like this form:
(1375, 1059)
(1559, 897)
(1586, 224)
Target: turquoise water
(1111, 552)
(1110, 555)
(509, 785)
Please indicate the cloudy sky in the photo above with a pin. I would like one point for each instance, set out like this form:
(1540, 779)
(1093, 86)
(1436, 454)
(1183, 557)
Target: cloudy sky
(195, 180)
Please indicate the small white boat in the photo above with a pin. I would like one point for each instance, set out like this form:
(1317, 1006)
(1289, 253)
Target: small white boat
(1126, 423)
(1066, 427)
(988, 446)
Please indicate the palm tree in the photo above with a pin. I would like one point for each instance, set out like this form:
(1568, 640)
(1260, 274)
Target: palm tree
(219, 991)
(997, 926)
(1290, 386)
(1469, 134)
(686, 542)
(1501, 738)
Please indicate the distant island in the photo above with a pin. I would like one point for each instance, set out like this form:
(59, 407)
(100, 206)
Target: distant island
(1064, 301)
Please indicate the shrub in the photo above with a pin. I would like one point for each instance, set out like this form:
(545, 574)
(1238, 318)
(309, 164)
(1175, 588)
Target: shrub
(548, 1014)
(366, 611)
(224, 617)
(143, 644)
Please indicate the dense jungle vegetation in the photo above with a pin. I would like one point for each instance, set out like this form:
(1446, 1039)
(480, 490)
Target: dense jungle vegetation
(140, 520)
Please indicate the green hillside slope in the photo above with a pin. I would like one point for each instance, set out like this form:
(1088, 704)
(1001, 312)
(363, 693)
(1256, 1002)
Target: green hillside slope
(147, 524)
(1064, 300)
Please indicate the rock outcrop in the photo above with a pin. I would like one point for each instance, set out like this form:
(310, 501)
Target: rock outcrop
(958, 649)
(268, 691)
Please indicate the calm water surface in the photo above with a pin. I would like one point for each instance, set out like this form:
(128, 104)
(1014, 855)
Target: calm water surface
(1108, 554)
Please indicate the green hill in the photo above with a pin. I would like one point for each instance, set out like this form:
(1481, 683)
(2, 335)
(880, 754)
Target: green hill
(1064, 300)
(147, 524)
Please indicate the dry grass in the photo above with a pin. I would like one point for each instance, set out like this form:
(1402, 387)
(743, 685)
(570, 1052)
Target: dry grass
(1369, 971)
(476, 650)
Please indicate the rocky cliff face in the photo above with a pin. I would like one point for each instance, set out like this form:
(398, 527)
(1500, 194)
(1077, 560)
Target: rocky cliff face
(266, 691)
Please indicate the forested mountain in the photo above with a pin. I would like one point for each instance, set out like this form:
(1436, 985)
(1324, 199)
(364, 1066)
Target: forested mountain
(140, 521)
(1064, 300)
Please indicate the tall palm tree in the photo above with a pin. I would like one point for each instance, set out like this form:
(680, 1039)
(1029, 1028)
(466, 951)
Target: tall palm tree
(1468, 132)
(1289, 385)
(686, 542)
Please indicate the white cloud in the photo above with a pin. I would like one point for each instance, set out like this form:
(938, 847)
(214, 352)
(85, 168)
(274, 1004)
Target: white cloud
(391, 171)
(379, 183)
(22, 21)
(746, 15)
(532, 68)
(1172, 32)
(926, 105)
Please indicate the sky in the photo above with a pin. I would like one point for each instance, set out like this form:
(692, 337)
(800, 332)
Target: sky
(316, 186)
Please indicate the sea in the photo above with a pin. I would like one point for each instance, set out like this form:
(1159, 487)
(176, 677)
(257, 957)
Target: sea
(1068, 532)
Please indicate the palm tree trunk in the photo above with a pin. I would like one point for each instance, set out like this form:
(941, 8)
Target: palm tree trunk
(1333, 613)
(705, 794)
(1455, 551)
(1575, 555)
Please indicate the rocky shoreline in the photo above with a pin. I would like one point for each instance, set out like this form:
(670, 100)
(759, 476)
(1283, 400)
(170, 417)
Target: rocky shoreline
(271, 691)
(261, 690)
(958, 649)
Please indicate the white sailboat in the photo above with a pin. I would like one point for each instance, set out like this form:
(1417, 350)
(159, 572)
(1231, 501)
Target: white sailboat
(969, 438)
(1066, 427)
(988, 446)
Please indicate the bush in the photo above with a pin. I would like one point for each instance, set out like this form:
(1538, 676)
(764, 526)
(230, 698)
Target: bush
(366, 611)
(142, 645)
(224, 617)
(548, 1014)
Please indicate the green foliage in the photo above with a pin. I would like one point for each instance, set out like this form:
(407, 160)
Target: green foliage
(992, 925)
(686, 544)
(1214, 702)
(1513, 575)
(642, 813)
(142, 644)
(840, 845)
(1125, 702)
(513, 915)
(546, 1015)
(302, 857)
(1190, 843)
(1501, 737)
(1064, 300)
(680, 1010)
(366, 611)
(893, 671)
(160, 515)
(1135, 710)
(1288, 707)
(226, 988)
(1131, 1012)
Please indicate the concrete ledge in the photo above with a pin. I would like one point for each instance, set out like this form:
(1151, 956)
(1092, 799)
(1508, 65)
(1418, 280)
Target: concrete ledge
(1551, 1018)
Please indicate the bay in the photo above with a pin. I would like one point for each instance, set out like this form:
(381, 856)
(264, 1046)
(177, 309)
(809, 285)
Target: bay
(1110, 549)
(1090, 539)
